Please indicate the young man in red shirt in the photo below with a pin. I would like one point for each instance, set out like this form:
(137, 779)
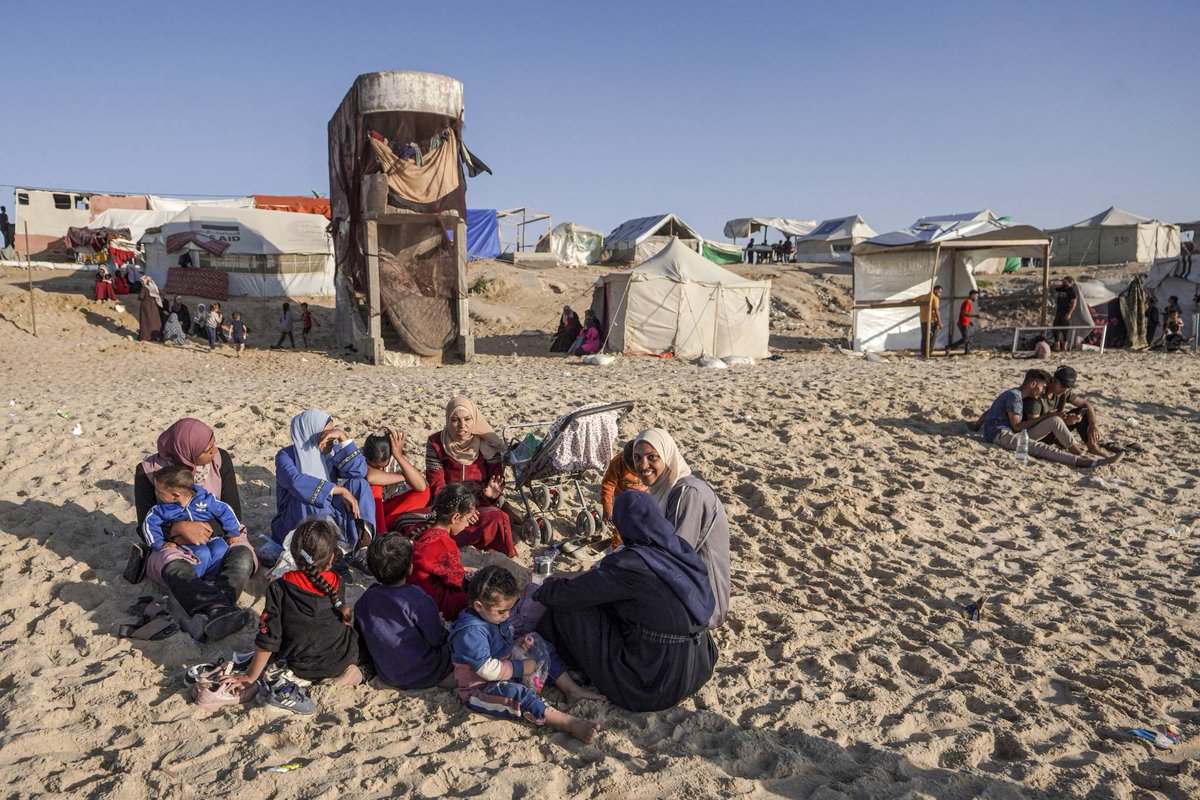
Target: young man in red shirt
(965, 312)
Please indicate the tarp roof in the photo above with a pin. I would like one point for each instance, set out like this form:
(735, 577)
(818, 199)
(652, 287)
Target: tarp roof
(299, 203)
(1111, 217)
(745, 226)
(631, 232)
(137, 222)
(158, 203)
(250, 231)
(932, 229)
(992, 233)
(839, 228)
(680, 263)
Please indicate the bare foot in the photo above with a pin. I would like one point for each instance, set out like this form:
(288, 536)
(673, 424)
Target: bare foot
(351, 677)
(582, 729)
(577, 693)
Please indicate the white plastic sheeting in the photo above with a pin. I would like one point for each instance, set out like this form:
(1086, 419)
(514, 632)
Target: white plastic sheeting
(573, 245)
(158, 203)
(831, 240)
(270, 253)
(885, 273)
(747, 226)
(136, 221)
(680, 302)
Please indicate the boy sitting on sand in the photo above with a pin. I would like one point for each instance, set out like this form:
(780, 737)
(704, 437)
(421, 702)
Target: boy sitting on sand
(398, 624)
(1002, 423)
(488, 676)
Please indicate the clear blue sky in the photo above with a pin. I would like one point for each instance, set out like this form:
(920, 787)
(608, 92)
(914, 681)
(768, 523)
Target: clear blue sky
(602, 111)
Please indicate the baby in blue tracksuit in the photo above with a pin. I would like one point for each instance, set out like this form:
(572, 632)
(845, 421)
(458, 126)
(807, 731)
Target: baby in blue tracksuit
(180, 499)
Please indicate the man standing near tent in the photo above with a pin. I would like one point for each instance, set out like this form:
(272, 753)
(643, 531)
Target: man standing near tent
(1064, 307)
(931, 320)
(4, 227)
(965, 312)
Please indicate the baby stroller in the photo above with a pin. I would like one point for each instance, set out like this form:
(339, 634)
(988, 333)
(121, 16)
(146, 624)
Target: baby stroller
(547, 469)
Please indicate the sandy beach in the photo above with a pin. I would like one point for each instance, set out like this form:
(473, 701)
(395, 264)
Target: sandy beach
(863, 514)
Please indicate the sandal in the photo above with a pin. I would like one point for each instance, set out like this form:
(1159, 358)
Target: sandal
(150, 629)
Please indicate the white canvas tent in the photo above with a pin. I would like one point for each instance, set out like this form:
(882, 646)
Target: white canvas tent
(636, 240)
(830, 242)
(1178, 277)
(680, 302)
(1114, 237)
(157, 203)
(896, 272)
(747, 226)
(270, 253)
(573, 245)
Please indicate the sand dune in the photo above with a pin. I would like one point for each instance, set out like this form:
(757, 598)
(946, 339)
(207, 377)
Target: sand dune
(863, 516)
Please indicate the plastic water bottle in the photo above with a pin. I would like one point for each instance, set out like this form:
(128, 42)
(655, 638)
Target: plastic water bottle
(1023, 448)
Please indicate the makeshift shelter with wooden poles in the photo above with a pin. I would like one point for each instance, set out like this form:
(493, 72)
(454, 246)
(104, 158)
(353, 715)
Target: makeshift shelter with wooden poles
(894, 274)
(398, 197)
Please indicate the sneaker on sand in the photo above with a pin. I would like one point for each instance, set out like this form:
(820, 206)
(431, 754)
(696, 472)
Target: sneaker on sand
(287, 696)
(1104, 462)
(239, 660)
(211, 691)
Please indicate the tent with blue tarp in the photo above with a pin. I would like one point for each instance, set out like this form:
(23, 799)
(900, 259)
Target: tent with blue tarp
(483, 234)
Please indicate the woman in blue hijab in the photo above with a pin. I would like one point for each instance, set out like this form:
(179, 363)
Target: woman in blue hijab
(321, 473)
(636, 624)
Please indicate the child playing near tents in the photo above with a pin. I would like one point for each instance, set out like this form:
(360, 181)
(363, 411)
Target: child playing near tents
(489, 677)
(619, 477)
(212, 323)
(398, 624)
(437, 565)
(305, 624)
(380, 449)
(238, 331)
(306, 323)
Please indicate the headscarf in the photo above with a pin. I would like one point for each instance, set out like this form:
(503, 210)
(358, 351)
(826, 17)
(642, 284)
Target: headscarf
(181, 444)
(152, 288)
(306, 429)
(645, 531)
(483, 440)
(674, 467)
(173, 330)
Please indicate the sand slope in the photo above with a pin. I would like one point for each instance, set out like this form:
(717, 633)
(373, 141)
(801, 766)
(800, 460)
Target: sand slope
(863, 515)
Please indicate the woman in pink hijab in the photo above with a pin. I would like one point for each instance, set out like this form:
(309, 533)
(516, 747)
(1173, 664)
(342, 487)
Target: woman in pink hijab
(209, 600)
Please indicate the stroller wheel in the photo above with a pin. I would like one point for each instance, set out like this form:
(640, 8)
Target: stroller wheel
(555, 499)
(545, 532)
(542, 497)
(585, 524)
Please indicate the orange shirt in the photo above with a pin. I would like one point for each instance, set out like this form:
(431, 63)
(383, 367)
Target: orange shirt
(619, 477)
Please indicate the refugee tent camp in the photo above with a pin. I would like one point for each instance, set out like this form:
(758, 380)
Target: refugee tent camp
(1113, 237)
(265, 253)
(830, 241)
(573, 245)
(636, 240)
(1176, 277)
(895, 272)
(681, 303)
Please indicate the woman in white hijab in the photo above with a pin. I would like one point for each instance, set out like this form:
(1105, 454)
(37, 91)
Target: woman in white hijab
(467, 450)
(690, 505)
(322, 473)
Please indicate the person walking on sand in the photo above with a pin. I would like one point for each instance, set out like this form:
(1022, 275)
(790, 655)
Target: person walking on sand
(287, 325)
(306, 323)
(966, 313)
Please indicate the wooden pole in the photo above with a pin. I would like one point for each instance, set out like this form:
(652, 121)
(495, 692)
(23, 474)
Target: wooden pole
(1045, 281)
(29, 274)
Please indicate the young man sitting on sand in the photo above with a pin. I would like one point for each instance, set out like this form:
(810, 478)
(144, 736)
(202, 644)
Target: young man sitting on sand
(1058, 395)
(1002, 424)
